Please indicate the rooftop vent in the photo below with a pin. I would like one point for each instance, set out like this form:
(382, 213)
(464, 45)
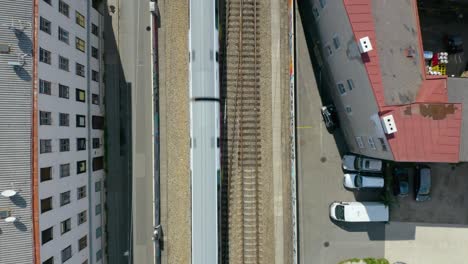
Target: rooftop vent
(388, 124)
(365, 45)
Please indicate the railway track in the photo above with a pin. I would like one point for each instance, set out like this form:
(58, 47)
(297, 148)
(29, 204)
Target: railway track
(242, 121)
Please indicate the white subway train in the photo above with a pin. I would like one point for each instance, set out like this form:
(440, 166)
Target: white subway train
(204, 129)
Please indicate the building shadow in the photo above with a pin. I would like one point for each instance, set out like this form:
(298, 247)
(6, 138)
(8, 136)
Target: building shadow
(18, 200)
(316, 57)
(117, 145)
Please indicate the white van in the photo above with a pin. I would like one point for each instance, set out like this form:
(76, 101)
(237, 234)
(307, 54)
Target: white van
(359, 212)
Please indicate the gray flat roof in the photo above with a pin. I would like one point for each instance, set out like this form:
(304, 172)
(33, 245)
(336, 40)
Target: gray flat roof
(397, 30)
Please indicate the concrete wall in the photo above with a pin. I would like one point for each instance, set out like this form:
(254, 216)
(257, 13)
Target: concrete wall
(343, 64)
(58, 105)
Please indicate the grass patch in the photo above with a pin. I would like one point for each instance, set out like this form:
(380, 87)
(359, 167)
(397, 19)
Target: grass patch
(366, 260)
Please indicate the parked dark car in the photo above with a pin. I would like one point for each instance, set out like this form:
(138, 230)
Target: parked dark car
(330, 117)
(422, 184)
(400, 182)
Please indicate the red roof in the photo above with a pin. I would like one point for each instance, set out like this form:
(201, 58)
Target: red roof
(427, 130)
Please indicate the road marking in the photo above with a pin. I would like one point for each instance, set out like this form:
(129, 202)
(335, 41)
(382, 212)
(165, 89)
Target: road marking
(302, 127)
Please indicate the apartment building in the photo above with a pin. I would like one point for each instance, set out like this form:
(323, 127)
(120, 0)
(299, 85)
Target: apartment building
(371, 59)
(52, 132)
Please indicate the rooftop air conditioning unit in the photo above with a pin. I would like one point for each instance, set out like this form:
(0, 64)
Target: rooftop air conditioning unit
(365, 45)
(15, 63)
(388, 124)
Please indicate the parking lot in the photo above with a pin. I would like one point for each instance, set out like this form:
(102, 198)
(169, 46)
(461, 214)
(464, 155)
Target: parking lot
(439, 19)
(449, 198)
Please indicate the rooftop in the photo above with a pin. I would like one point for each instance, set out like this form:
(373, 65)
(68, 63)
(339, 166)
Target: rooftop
(429, 127)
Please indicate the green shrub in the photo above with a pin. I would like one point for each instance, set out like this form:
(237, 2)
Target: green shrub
(366, 260)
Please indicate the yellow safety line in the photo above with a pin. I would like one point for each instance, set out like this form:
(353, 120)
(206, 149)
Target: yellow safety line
(304, 127)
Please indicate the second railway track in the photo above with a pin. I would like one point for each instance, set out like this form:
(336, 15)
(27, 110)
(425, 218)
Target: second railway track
(242, 119)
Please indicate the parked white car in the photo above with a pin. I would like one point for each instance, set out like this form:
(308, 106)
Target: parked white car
(358, 163)
(358, 181)
(359, 212)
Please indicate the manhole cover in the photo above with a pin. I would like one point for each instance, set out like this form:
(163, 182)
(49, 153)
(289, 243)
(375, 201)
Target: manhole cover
(323, 159)
(326, 244)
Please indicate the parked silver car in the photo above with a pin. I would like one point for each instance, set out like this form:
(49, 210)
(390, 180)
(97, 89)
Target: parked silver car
(357, 163)
(422, 184)
(359, 181)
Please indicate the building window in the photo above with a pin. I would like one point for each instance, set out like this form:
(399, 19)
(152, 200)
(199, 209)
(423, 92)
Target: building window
(80, 19)
(44, 56)
(64, 91)
(64, 144)
(45, 87)
(336, 42)
(64, 63)
(47, 235)
(82, 217)
(81, 192)
(350, 84)
(81, 166)
(64, 198)
(51, 259)
(98, 255)
(80, 95)
(98, 122)
(341, 89)
(64, 8)
(64, 170)
(45, 145)
(65, 226)
(64, 119)
(63, 35)
(81, 144)
(96, 143)
(94, 30)
(97, 186)
(95, 52)
(316, 12)
(82, 243)
(80, 121)
(349, 110)
(359, 142)
(95, 99)
(80, 44)
(46, 174)
(98, 163)
(98, 209)
(50, 3)
(98, 232)
(323, 3)
(370, 140)
(382, 144)
(95, 75)
(328, 50)
(80, 70)
(46, 205)
(45, 118)
(66, 254)
(45, 25)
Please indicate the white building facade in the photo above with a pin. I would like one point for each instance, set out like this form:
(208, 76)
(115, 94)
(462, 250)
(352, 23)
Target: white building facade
(71, 132)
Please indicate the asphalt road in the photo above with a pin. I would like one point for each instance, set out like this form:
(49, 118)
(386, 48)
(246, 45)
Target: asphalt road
(322, 241)
(129, 83)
